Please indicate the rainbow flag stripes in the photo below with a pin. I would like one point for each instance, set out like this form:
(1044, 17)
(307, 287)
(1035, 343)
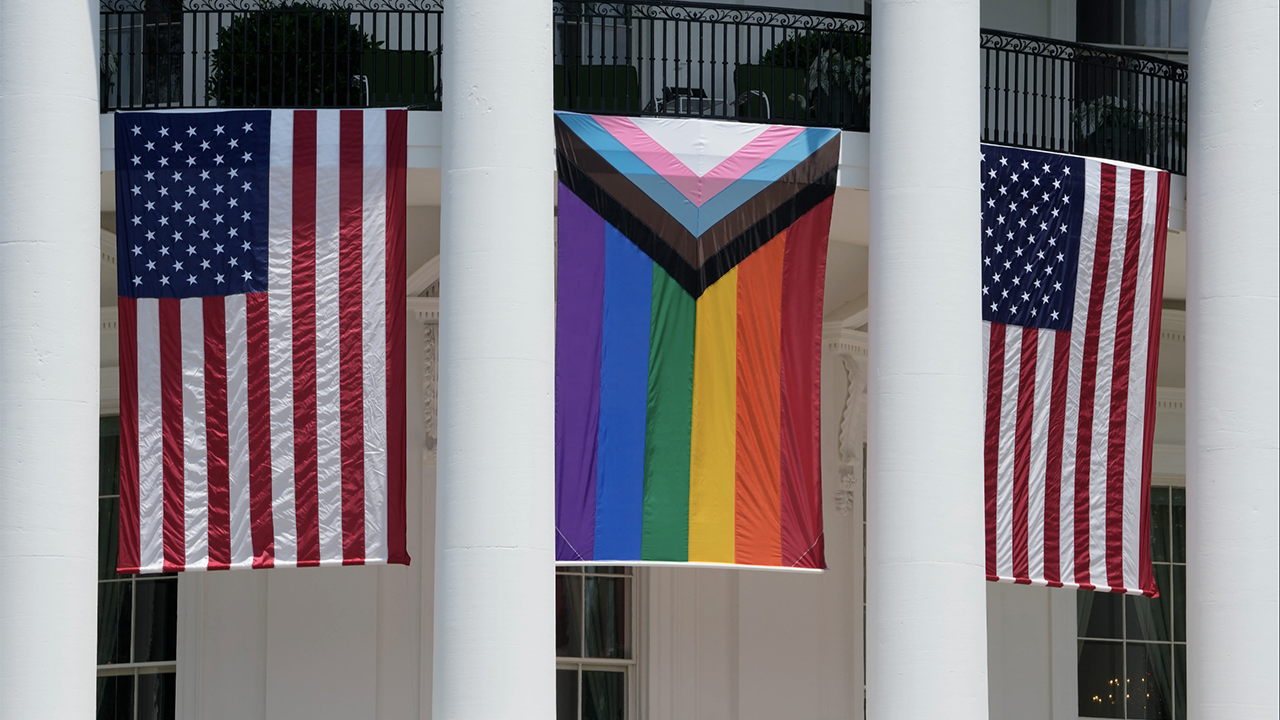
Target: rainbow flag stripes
(691, 264)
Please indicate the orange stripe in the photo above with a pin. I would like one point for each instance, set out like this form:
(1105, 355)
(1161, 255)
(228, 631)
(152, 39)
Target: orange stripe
(758, 462)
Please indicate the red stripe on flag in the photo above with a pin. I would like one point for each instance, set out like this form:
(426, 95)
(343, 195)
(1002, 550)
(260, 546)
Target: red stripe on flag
(306, 483)
(215, 428)
(1022, 451)
(1089, 370)
(397, 129)
(175, 515)
(991, 453)
(1053, 467)
(803, 270)
(350, 330)
(127, 561)
(1146, 581)
(262, 523)
(1116, 435)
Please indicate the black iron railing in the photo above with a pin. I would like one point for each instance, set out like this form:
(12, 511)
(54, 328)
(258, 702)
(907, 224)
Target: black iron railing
(237, 53)
(1053, 95)
(629, 57)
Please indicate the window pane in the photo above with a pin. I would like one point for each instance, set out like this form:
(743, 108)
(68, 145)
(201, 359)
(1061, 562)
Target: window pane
(108, 538)
(1098, 614)
(156, 696)
(1160, 530)
(1100, 673)
(1098, 21)
(156, 632)
(1149, 680)
(1180, 603)
(114, 611)
(568, 616)
(603, 695)
(566, 695)
(606, 569)
(607, 615)
(109, 456)
(1148, 618)
(1180, 681)
(115, 698)
(1179, 505)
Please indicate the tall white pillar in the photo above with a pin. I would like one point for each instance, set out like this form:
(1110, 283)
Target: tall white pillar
(49, 217)
(494, 612)
(1233, 362)
(926, 582)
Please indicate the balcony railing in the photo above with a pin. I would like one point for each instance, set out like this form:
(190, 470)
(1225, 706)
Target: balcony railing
(629, 57)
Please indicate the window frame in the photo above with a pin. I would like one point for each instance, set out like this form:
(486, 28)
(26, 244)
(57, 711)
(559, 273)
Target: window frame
(630, 667)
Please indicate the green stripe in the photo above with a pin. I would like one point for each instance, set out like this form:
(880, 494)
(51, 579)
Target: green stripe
(668, 421)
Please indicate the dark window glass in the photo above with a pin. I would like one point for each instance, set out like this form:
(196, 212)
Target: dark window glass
(566, 694)
(1179, 603)
(603, 695)
(155, 621)
(568, 615)
(156, 696)
(1098, 21)
(1160, 530)
(1100, 615)
(115, 697)
(1180, 681)
(1179, 507)
(1148, 669)
(607, 614)
(1101, 679)
(1148, 618)
(115, 613)
(109, 456)
(108, 538)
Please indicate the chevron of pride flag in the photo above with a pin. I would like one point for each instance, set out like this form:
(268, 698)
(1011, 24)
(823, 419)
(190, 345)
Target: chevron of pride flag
(261, 326)
(1072, 278)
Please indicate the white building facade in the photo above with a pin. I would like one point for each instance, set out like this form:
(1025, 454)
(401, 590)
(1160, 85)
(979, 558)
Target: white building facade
(482, 625)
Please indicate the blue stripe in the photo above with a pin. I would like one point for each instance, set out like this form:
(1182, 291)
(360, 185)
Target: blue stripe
(762, 176)
(624, 378)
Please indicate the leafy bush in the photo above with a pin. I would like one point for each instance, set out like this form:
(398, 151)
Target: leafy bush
(803, 49)
(292, 54)
(837, 69)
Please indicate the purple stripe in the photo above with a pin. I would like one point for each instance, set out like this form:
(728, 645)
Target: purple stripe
(579, 310)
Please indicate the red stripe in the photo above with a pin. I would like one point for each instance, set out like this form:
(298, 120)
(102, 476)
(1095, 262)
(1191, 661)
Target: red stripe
(175, 514)
(1146, 581)
(397, 149)
(1089, 370)
(262, 525)
(1116, 435)
(127, 561)
(991, 452)
(306, 482)
(804, 265)
(350, 330)
(1053, 472)
(215, 428)
(1022, 451)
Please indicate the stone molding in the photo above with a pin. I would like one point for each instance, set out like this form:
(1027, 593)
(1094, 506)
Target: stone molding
(850, 346)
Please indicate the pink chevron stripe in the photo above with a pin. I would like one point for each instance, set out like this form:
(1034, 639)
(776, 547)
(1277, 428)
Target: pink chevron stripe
(697, 189)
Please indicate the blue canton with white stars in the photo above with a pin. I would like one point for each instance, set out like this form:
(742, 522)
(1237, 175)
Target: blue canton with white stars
(191, 203)
(1032, 209)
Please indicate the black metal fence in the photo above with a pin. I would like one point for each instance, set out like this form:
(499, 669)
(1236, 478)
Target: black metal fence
(241, 53)
(629, 57)
(1066, 97)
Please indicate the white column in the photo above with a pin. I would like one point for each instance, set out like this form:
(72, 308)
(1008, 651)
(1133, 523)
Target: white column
(1233, 362)
(926, 586)
(494, 613)
(49, 217)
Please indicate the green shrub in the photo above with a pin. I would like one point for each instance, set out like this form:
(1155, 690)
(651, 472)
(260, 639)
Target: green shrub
(292, 54)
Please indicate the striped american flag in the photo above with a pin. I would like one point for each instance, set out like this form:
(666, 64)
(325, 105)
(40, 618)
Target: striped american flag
(1072, 279)
(262, 338)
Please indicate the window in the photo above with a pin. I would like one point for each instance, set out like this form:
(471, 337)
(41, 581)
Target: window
(137, 615)
(1132, 650)
(1141, 23)
(595, 660)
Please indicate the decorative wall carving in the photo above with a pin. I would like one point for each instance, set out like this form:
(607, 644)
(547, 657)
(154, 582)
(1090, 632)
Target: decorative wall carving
(851, 347)
(427, 311)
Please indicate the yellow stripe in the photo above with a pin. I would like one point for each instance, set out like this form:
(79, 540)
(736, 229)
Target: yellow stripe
(713, 443)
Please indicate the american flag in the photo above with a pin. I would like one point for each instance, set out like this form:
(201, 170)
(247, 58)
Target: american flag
(262, 338)
(1072, 278)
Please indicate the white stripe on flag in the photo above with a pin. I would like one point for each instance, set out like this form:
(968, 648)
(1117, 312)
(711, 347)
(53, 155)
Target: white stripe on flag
(195, 450)
(1005, 463)
(150, 440)
(374, 276)
(1039, 452)
(238, 431)
(328, 361)
(280, 322)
